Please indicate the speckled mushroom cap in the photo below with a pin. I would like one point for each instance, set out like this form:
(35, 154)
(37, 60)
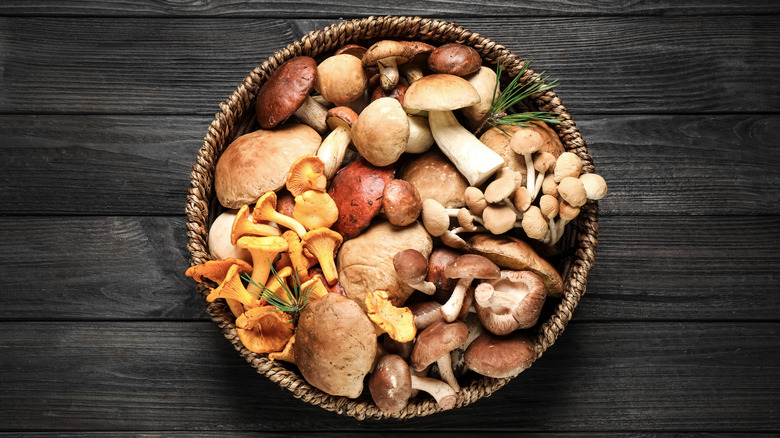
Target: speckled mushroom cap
(284, 92)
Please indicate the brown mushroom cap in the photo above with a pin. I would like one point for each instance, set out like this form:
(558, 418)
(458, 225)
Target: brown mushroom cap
(571, 190)
(390, 383)
(454, 59)
(341, 116)
(437, 263)
(284, 92)
(397, 50)
(352, 49)
(500, 356)
(381, 132)
(256, 163)
(401, 202)
(396, 93)
(335, 345)
(341, 79)
(437, 340)
(435, 177)
(410, 265)
(357, 191)
(473, 266)
(510, 253)
(510, 303)
(440, 92)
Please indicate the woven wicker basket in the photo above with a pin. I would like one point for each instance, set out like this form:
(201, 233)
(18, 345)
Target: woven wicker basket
(237, 117)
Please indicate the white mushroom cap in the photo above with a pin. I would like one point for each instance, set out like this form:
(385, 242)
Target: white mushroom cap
(435, 217)
(568, 164)
(440, 92)
(381, 131)
(595, 186)
(572, 191)
(499, 218)
(219, 239)
(534, 223)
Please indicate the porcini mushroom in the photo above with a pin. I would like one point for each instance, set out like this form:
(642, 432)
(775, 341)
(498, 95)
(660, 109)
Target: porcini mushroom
(220, 246)
(484, 81)
(333, 148)
(381, 132)
(306, 173)
(434, 344)
(512, 302)
(391, 384)
(413, 70)
(397, 322)
(412, 267)
(264, 250)
(401, 202)
(286, 93)
(341, 79)
(466, 268)
(454, 59)
(323, 243)
(440, 94)
(315, 209)
(500, 356)
(265, 210)
(387, 55)
(435, 177)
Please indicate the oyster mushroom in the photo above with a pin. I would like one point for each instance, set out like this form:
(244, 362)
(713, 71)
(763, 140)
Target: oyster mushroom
(440, 94)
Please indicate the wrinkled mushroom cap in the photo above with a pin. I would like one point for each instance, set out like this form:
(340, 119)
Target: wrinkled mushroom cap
(454, 59)
(510, 253)
(341, 79)
(335, 345)
(440, 92)
(500, 356)
(437, 340)
(256, 163)
(381, 132)
(285, 91)
(512, 302)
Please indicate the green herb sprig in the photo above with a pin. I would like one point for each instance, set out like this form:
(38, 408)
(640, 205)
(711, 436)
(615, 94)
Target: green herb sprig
(298, 298)
(514, 93)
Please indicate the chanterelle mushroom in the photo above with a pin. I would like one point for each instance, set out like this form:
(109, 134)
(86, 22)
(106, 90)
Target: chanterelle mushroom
(510, 303)
(466, 268)
(286, 93)
(265, 210)
(244, 226)
(315, 209)
(323, 243)
(264, 250)
(439, 94)
(306, 173)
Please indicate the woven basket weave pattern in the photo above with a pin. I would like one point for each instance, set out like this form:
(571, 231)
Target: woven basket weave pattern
(236, 116)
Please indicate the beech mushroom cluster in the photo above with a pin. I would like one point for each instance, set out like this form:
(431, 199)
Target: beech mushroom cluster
(369, 232)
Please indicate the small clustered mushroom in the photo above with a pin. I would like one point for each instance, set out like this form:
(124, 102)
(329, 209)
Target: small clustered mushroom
(442, 280)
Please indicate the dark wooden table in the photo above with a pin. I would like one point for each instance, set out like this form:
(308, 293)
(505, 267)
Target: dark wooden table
(104, 104)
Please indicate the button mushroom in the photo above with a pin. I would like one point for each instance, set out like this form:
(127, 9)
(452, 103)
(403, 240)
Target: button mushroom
(439, 94)
(412, 267)
(391, 384)
(466, 268)
(510, 303)
(435, 343)
(286, 93)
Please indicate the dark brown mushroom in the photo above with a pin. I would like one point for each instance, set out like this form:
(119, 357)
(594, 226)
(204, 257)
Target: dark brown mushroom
(454, 59)
(411, 267)
(391, 385)
(500, 356)
(435, 343)
(401, 202)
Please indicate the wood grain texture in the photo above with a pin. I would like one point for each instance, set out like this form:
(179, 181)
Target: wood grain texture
(647, 268)
(647, 65)
(140, 165)
(185, 376)
(452, 8)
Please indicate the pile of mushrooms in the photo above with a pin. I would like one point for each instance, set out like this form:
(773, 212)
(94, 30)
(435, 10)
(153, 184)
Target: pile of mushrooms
(366, 186)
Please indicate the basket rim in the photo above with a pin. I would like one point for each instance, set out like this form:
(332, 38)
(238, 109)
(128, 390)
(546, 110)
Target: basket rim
(223, 129)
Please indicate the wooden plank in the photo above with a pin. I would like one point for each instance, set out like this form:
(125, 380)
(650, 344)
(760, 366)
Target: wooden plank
(456, 8)
(647, 268)
(187, 66)
(706, 377)
(128, 165)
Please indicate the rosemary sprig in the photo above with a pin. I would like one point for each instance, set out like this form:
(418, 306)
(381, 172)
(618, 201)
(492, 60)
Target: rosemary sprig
(297, 298)
(514, 93)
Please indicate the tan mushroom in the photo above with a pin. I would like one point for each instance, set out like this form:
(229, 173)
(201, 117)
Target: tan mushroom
(333, 148)
(466, 268)
(567, 164)
(435, 177)
(595, 186)
(381, 132)
(341, 79)
(512, 302)
(387, 55)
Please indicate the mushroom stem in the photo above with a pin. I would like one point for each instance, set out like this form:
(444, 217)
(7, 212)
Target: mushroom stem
(511, 205)
(537, 185)
(443, 394)
(530, 173)
(388, 73)
(313, 114)
(452, 307)
(333, 148)
(473, 159)
(445, 370)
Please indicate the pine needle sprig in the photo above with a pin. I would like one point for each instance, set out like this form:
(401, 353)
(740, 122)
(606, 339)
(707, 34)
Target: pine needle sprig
(514, 93)
(297, 298)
